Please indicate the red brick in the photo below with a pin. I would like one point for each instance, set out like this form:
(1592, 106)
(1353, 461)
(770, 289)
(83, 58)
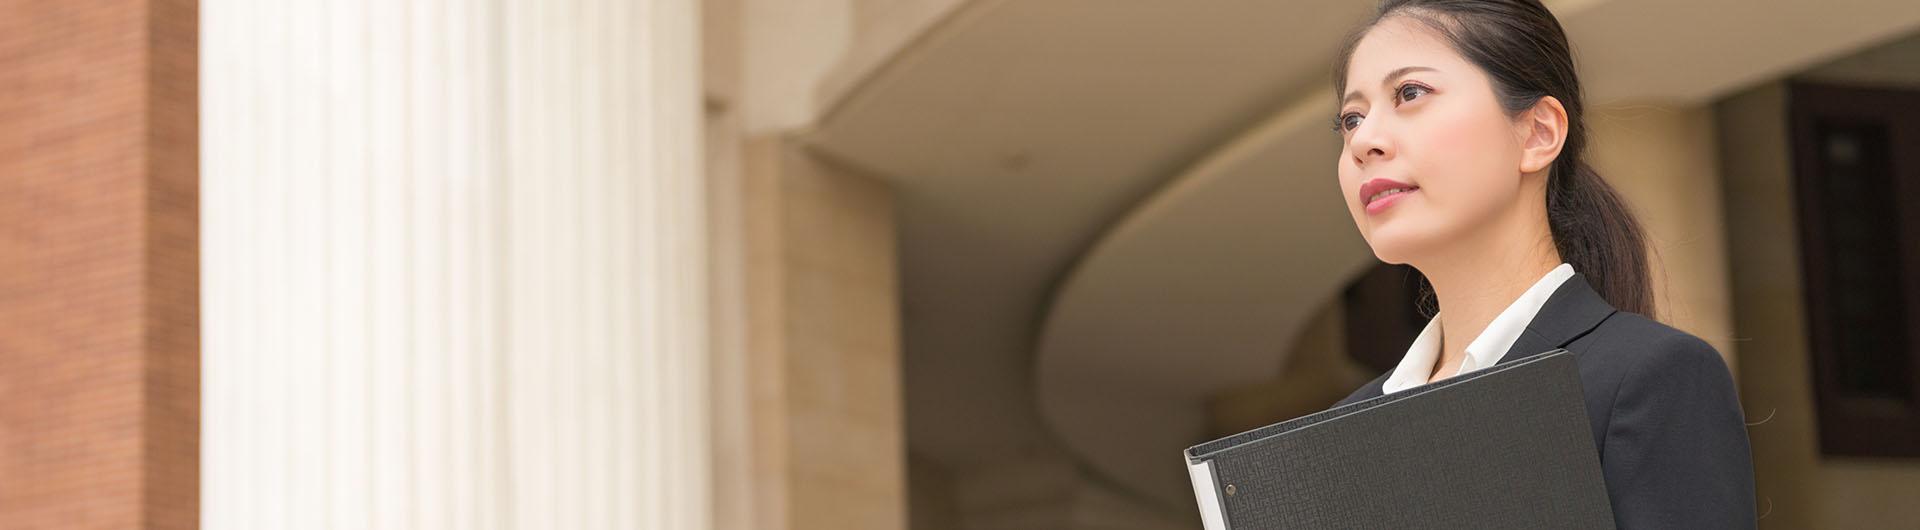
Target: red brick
(99, 338)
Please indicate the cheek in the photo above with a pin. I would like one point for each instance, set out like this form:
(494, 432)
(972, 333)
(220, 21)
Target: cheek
(1466, 163)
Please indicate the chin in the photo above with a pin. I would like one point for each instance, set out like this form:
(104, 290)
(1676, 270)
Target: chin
(1396, 247)
(1388, 258)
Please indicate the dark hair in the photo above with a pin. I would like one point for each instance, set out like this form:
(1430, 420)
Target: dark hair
(1523, 50)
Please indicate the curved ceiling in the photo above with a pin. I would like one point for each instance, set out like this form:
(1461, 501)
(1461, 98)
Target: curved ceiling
(1198, 290)
(1017, 132)
(1102, 204)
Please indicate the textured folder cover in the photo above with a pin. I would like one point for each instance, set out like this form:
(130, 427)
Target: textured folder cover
(1504, 447)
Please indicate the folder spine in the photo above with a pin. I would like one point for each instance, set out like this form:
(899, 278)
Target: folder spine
(1212, 516)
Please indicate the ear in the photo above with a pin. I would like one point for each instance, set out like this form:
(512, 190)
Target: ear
(1543, 131)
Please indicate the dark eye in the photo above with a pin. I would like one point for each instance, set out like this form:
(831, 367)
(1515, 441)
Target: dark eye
(1346, 122)
(1409, 92)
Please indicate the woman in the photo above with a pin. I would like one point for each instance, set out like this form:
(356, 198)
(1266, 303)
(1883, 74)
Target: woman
(1463, 133)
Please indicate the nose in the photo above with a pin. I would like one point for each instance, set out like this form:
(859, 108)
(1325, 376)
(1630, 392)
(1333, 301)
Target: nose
(1369, 143)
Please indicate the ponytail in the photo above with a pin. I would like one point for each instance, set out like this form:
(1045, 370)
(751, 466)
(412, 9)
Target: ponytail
(1596, 233)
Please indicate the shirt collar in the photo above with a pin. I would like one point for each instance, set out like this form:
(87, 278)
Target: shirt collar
(1487, 349)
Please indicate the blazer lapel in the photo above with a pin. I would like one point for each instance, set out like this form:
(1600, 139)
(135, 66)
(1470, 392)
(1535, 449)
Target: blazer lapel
(1572, 311)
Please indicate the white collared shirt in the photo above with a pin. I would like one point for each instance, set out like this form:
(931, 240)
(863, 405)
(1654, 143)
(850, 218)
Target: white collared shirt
(1492, 344)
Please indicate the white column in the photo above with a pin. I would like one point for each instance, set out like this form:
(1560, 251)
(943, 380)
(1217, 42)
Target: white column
(453, 265)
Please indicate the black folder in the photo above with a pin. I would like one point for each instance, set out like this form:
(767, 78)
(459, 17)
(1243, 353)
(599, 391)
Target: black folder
(1508, 446)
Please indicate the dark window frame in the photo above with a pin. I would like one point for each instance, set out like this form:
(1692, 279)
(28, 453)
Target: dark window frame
(1859, 413)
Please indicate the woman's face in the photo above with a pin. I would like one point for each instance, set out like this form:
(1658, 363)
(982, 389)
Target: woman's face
(1419, 114)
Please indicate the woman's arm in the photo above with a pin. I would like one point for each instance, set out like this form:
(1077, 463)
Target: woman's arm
(1676, 453)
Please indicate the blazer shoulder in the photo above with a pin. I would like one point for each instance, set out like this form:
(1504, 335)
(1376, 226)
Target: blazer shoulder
(1631, 339)
(1637, 361)
(1671, 433)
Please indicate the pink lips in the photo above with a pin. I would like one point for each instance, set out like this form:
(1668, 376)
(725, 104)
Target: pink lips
(1375, 186)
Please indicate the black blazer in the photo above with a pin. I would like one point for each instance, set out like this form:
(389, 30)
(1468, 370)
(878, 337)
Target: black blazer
(1666, 419)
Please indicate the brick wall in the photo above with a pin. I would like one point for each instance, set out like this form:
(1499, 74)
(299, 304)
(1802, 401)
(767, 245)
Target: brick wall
(99, 338)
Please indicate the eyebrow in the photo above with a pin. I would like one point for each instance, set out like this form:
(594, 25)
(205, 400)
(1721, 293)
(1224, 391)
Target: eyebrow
(1397, 72)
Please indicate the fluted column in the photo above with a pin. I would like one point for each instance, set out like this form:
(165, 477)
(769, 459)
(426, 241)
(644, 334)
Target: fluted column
(454, 265)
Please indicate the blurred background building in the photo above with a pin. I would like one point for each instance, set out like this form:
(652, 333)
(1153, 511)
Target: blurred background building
(846, 264)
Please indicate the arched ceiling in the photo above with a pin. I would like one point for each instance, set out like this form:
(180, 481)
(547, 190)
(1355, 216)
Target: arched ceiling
(1017, 132)
(1198, 290)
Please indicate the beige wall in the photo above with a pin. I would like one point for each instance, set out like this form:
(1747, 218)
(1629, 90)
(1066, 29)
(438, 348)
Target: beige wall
(1801, 488)
(808, 424)
(1661, 158)
(810, 432)
(842, 347)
